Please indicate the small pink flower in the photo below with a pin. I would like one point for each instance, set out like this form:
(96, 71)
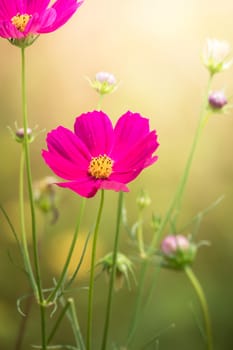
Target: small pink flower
(22, 18)
(97, 156)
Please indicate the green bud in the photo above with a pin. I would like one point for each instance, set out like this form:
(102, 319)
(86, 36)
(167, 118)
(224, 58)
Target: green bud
(124, 267)
(143, 200)
(45, 196)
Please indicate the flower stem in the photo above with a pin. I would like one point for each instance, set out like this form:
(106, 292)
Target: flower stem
(177, 199)
(138, 304)
(201, 296)
(113, 272)
(24, 244)
(174, 205)
(75, 325)
(91, 280)
(60, 318)
(36, 283)
(52, 296)
(29, 177)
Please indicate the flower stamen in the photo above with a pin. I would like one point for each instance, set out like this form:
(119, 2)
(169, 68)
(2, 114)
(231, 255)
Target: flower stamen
(100, 167)
(20, 21)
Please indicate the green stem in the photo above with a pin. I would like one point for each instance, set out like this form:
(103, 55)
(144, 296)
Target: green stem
(137, 307)
(75, 325)
(60, 318)
(91, 281)
(113, 272)
(29, 177)
(201, 296)
(43, 325)
(39, 292)
(99, 104)
(176, 202)
(26, 257)
(52, 296)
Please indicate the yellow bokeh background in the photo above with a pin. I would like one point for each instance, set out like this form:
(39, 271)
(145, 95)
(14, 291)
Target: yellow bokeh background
(154, 50)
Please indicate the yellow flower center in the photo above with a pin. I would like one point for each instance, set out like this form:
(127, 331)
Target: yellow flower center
(100, 167)
(20, 21)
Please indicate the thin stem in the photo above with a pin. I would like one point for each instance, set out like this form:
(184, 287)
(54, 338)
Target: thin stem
(91, 281)
(26, 257)
(43, 325)
(99, 104)
(60, 318)
(29, 177)
(137, 306)
(113, 272)
(176, 202)
(75, 325)
(201, 296)
(39, 292)
(10, 225)
(52, 296)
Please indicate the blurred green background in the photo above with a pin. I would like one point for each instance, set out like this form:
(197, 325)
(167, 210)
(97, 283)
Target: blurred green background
(153, 48)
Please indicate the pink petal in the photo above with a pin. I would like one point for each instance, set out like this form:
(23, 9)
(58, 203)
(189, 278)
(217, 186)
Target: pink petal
(85, 187)
(46, 18)
(63, 167)
(64, 143)
(8, 8)
(64, 10)
(37, 6)
(113, 185)
(96, 132)
(67, 156)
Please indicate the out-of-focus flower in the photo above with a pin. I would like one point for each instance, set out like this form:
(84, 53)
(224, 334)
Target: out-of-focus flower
(97, 156)
(104, 83)
(215, 55)
(124, 267)
(21, 21)
(177, 251)
(45, 196)
(217, 100)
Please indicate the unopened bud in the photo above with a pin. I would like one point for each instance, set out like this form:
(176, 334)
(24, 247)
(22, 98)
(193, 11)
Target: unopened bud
(143, 200)
(104, 83)
(20, 135)
(217, 100)
(45, 196)
(177, 251)
(123, 269)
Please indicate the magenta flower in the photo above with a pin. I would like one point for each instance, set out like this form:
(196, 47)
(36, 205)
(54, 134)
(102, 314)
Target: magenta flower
(22, 18)
(97, 156)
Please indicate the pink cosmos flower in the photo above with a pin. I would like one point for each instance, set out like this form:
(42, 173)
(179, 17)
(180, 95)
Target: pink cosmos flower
(22, 18)
(97, 156)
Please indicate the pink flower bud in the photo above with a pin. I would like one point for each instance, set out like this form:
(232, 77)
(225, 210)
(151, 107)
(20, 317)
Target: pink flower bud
(217, 99)
(172, 243)
(177, 252)
(105, 77)
(19, 135)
